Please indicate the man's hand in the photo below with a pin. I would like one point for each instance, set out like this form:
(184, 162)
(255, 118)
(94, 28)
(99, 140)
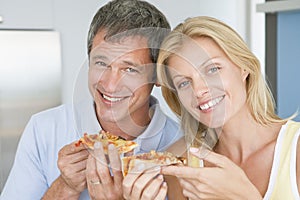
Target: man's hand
(145, 184)
(72, 181)
(72, 165)
(101, 184)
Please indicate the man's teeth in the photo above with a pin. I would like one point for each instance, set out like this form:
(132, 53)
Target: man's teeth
(211, 103)
(112, 99)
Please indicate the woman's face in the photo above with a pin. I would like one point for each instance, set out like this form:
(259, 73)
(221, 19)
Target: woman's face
(210, 87)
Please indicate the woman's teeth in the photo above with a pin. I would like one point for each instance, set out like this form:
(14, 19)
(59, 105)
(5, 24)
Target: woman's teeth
(211, 103)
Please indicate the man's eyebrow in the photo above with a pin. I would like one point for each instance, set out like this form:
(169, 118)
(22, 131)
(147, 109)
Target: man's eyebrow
(127, 62)
(99, 57)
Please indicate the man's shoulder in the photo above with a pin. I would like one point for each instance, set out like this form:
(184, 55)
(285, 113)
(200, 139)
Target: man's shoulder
(58, 113)
(58, 108)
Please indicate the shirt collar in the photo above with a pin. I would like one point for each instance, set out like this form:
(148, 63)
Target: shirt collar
(85, 117)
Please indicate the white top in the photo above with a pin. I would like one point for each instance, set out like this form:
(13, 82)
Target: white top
(35, 166)
(283, 182)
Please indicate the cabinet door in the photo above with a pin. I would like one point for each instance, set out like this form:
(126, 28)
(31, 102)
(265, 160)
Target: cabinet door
(26, 14)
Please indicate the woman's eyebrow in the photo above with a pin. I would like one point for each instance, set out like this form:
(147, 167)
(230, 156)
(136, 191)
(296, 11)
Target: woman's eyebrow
(207, 61)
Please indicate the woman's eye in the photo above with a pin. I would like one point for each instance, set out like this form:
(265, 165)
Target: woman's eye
(213, 69)
(183, 84)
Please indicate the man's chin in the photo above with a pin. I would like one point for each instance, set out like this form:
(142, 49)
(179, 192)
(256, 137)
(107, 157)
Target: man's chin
(112, 117)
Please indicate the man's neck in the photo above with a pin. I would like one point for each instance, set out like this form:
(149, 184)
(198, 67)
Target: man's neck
(128, 128)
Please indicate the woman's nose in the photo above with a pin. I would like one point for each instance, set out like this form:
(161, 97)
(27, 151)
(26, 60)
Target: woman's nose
(200, 85)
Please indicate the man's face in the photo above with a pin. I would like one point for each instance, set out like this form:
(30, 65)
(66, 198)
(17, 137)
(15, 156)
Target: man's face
(120, 78)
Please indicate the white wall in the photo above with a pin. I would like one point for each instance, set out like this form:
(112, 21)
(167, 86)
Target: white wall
(72, 19)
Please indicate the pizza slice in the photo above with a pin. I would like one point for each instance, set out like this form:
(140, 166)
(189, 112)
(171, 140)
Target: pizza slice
(150, 160)
(106, 138)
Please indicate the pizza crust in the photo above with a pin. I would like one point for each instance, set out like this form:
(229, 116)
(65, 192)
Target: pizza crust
(148, 160)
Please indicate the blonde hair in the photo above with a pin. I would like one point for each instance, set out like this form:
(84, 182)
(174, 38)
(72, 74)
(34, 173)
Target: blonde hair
(259, 97)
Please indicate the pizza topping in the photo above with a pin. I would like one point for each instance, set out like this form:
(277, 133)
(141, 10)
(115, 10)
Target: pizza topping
(106, 138)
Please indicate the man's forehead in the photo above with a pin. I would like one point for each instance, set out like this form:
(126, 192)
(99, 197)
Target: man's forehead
(120, 41)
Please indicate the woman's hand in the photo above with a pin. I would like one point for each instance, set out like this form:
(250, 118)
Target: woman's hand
(146, 185)
(223, 180)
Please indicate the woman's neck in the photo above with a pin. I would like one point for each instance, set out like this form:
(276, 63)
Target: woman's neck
(242, 136)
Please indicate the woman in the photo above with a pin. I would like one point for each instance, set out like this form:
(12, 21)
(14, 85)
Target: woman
(214, 83)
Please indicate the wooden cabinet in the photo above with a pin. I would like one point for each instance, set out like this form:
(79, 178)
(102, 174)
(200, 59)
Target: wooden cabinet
(26, 14)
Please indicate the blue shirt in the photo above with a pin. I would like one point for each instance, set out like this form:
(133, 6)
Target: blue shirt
(35, 166)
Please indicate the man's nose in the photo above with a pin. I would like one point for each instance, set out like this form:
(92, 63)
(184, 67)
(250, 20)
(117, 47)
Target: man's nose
(111, 79)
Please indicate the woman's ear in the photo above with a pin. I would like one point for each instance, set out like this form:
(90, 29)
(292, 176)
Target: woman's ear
(244, 74)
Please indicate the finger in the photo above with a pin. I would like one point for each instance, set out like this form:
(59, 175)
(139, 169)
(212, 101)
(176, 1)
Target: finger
(67, 155)
(162, 192)
(92, 177)
(91, 170)
(128, 184)
(212, 157)
(153, 188)
(101, 164)
(188, 185)
(189, 190)
(145, 179)
(76, 176)
(197, 190)
(79, 166)
(73, 168)
(188, 172)
(72, 148)
(130, 180)
(115, 164)
(78, 156)
(191, 195)
(177, 171)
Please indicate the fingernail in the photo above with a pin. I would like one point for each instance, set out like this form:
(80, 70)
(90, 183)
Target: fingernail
(97, 145)
(157, 168)
(111, 147)
(140, 167)
(160, 177)
(194, 149)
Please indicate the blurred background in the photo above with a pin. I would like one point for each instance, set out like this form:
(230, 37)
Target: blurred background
(43, 46)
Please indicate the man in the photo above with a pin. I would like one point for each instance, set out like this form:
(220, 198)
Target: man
(123, 43)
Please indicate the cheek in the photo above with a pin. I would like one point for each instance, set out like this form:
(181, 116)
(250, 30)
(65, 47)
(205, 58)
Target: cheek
(187, 98)
(94, 76)
(92, 80)
(143, 91)
(237, 92)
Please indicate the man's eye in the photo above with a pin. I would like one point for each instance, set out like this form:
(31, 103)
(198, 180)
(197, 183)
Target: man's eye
(100, 63)
(183, 84)
(131, 70)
